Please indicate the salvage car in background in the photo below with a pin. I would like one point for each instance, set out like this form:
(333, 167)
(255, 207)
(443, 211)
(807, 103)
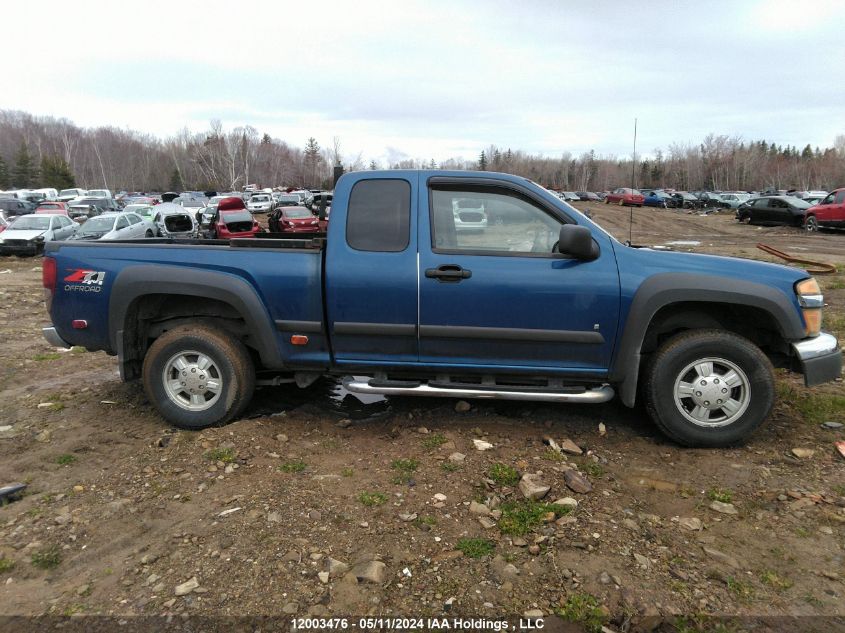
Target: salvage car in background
(830, 212)
(115, 226)
(686, 200)
(173, 221)
(773, 210)
(733, 200)
(293, 220)
(625, 196)
(84, 208)
(14, 207)
(52, 207)
(260, 203)
(658, 199)
(66, 195)
(26, 235)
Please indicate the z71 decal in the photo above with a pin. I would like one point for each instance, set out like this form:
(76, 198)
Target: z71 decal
(80, 280)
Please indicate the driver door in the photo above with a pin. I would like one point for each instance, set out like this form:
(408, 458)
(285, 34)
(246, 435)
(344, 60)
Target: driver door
(495, 294)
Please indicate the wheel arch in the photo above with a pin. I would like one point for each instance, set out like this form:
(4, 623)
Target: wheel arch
(152, 299)
(668, 303)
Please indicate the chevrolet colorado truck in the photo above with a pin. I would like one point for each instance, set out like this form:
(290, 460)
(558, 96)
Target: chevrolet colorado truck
(546, 306)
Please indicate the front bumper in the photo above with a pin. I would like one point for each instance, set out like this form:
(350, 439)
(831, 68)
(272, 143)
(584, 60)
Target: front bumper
(820, 358)
(53, 337)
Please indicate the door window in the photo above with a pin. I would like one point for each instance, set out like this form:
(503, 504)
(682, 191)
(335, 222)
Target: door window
(840, 197)
(379, 216)
(133, 219)
(121, 223)
(490, 221)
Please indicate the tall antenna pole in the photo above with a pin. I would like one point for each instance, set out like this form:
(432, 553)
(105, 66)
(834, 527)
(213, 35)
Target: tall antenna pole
(633, 183)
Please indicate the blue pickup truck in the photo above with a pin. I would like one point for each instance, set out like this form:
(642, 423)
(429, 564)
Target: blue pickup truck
(442, 283)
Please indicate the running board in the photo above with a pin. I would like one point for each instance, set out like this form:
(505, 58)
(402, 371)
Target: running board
(594, 396)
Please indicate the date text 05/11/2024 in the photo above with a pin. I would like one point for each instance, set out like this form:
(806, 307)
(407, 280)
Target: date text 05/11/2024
(406, 624)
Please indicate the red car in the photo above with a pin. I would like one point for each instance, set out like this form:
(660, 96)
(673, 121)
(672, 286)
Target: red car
(48, 206)
(294, 220)
(233, 220)
(624, 196)
(830, 212)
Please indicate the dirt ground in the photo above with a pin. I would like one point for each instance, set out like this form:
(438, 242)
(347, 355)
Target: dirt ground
(317, 504)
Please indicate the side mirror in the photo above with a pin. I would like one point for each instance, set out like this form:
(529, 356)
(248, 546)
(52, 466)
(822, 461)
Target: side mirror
(577, 241)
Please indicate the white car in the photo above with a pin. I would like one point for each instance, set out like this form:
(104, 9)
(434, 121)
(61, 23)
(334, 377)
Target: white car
(66, 195)
(469, 215)
(173, 221)
(115, 226)
(27, 234)
(260, 203)
(99, 193)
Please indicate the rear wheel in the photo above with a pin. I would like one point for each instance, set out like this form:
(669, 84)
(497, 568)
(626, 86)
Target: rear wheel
(198, 376)
(709, 388)
(811, 224)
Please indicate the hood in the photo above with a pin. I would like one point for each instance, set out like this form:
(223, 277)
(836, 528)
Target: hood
(643, 262)
(231, 204)
(22, 234)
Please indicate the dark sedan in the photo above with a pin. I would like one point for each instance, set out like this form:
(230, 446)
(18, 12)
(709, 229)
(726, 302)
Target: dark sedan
(773, 210)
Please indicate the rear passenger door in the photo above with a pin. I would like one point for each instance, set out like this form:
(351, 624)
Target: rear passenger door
(371, 272)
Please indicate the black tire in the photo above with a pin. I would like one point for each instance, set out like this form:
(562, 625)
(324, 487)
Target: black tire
(232, 366)
(667, 366)
(811, 224)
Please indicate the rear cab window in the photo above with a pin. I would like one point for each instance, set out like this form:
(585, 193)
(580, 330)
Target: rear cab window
(379, 216)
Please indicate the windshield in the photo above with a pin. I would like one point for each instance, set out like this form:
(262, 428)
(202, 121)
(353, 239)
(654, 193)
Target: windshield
(192, 203)
(31, 223)
(50, 205)
(240, 216)
(800, 204)
(298, 213)
(143, 209)
(97, 225)
(260, 199)
(98, 193)
(68, 192)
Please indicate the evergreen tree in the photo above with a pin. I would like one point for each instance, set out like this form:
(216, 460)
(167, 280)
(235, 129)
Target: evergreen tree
(176, 183)
(373, 165)
(432, 164)
(25, 173)
(482, 161)
(56, 173)
(4, 174)
(312, 160)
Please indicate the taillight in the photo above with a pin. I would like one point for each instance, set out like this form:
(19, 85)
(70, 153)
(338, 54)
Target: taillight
(48, 280)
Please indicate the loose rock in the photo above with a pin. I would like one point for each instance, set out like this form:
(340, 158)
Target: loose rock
(187, 587)
(337, 568)
(690, 523)
(482, 445)
(577, 482)
(478, 508)
(721, 557)
(568, 446)
(724, 508)
(373, 571)
(457, 458)
(567, 502)
(532, 487)
(462, 406)
(803, 453)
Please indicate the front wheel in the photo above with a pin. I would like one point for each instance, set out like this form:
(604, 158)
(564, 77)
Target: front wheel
(709, 388)
(811, 224)
(198, 376)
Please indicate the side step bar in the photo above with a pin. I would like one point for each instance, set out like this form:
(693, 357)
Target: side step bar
(595, 396)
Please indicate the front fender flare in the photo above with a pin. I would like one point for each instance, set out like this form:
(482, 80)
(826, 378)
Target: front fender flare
(665, 289)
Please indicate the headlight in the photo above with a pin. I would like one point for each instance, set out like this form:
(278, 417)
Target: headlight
(811, 300)
(38, 238)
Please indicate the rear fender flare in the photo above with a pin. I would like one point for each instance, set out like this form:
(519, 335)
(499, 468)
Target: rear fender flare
(138, 281)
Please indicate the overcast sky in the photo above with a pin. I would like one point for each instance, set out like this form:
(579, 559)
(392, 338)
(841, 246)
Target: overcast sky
(437, 79)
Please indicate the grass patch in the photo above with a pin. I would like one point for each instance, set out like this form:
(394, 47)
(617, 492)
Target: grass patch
(6, 564)
(720, 494)
(475, 547)
(584, 609)
(47, 356)
(293, 466)
(449, 467)
(47, 558)
(347, 472)
(54, 406)
(813, 408)
(435, 440)
(225, 455)
(593, 469)
(76, 349)
(406, 468)
(66, 459)
(522, 517)
(740, 589)
(802, 532)
(768, 577)
(553, 456)
(839, 489)
(372, 498)
(425, 520)
(811, 599)
(503, 475)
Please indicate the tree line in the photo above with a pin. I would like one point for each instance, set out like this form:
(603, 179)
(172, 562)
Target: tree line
(40, 151)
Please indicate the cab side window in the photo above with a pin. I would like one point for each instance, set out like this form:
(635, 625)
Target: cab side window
(379, 216)
(490, 221)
